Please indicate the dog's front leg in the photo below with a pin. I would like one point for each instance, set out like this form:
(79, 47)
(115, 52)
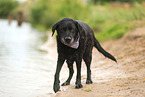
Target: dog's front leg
(78, 78)
(56, 85)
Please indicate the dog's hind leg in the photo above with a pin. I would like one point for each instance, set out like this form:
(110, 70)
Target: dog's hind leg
(88, 58)
(71, 71)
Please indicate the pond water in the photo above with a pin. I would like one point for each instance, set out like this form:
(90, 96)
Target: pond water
(25, 70)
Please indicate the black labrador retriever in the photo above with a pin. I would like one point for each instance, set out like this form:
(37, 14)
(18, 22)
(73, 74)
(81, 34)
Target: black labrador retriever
(75, 41)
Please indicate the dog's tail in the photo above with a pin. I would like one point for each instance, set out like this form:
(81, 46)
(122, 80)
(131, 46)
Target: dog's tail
(101, 50)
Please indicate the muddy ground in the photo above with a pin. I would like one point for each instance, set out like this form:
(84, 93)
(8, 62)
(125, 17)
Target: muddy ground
(125, 79)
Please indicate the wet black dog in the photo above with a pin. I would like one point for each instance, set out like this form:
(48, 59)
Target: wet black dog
(75, 41)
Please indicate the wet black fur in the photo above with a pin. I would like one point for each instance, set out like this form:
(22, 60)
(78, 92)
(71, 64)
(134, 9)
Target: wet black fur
(71, 55)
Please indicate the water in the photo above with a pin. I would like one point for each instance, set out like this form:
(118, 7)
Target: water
(25, 71)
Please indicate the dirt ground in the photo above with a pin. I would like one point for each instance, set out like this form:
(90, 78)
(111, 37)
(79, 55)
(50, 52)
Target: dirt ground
(125, 79)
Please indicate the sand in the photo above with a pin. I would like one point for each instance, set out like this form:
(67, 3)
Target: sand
(125, 79)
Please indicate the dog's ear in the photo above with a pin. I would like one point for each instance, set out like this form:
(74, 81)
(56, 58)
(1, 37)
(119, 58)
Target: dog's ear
(55, 26)
(79, 27)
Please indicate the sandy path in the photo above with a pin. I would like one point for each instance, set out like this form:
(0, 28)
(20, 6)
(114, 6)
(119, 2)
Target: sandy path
(125, 79)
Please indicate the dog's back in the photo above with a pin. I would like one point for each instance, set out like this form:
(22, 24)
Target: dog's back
(90, 34)
(85, 26)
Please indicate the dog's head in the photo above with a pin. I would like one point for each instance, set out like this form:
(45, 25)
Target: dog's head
(68, 32)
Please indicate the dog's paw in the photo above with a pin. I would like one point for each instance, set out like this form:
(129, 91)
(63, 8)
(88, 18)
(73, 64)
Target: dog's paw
(56, 87)
(89, 82)
(78, 86)
(65, 84)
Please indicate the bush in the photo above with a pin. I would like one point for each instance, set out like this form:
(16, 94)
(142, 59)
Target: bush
(48, 12)
(6, 7)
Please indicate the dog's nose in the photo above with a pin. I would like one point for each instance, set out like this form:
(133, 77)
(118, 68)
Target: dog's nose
(67, 39)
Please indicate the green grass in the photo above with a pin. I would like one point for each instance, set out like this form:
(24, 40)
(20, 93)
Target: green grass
(107, 22)
(111, 23)
(111, 30)
(87, 90)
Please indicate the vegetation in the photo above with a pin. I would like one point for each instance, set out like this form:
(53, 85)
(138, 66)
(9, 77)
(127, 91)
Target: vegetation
(87, 90)
(46, 12)
(114, 22)
(107, 20)
(102, 1)
(7, 7)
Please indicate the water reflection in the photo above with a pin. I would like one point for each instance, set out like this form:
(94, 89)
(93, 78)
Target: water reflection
(24, 69)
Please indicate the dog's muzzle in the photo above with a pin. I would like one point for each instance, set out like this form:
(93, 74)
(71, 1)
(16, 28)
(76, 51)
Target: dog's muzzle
(67, 39)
